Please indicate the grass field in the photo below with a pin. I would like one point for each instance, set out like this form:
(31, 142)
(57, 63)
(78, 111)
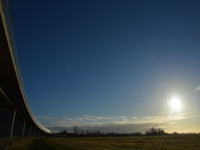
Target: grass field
(169, 142)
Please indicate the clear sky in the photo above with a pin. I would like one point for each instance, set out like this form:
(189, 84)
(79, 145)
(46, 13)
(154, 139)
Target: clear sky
(111, 63)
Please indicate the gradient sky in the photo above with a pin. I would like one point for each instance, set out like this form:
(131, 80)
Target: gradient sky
(108, 62)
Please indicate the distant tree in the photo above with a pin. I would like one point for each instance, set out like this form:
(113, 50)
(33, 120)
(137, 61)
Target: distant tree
(88, 132)
(161, 132)
(75, 129)
(98, 133)
(78, 131)
(82, 131)
(154, 131)
(137, 134)
(64, 132)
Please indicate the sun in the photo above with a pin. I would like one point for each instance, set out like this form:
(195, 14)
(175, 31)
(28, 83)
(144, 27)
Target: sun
(175, 103)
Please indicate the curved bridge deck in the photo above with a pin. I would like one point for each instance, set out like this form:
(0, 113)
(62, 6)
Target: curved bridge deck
(16, 116)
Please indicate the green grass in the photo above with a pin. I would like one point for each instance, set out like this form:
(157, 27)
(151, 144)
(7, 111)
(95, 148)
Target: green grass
(169, 142)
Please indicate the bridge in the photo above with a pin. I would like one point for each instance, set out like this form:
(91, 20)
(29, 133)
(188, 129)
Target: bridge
(16, 116)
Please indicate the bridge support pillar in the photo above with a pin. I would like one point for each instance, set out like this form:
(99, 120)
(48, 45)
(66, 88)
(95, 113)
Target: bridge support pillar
(23, 128)
(7, 119)
(34, 132)
(38, 133)
(27, 130)
(30, 131)
(19, 127)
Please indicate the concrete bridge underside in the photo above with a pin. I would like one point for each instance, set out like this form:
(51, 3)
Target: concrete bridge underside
(16, 118)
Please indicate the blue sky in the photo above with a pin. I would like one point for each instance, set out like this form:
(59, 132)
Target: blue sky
(110, 59)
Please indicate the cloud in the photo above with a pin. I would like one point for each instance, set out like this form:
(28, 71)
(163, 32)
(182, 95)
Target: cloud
(96, 118)
(115, 123)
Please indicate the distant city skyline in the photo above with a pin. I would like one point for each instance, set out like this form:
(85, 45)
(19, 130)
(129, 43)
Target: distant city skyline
(111, 64)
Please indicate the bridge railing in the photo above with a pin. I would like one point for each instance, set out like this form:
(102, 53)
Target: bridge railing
(12, 40)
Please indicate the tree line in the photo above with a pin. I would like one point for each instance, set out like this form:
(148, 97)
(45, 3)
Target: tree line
(92, 133)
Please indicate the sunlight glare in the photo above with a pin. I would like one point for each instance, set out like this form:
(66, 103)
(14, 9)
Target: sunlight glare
(175, 103)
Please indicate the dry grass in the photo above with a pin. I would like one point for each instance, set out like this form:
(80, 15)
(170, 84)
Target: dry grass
(178, 142)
